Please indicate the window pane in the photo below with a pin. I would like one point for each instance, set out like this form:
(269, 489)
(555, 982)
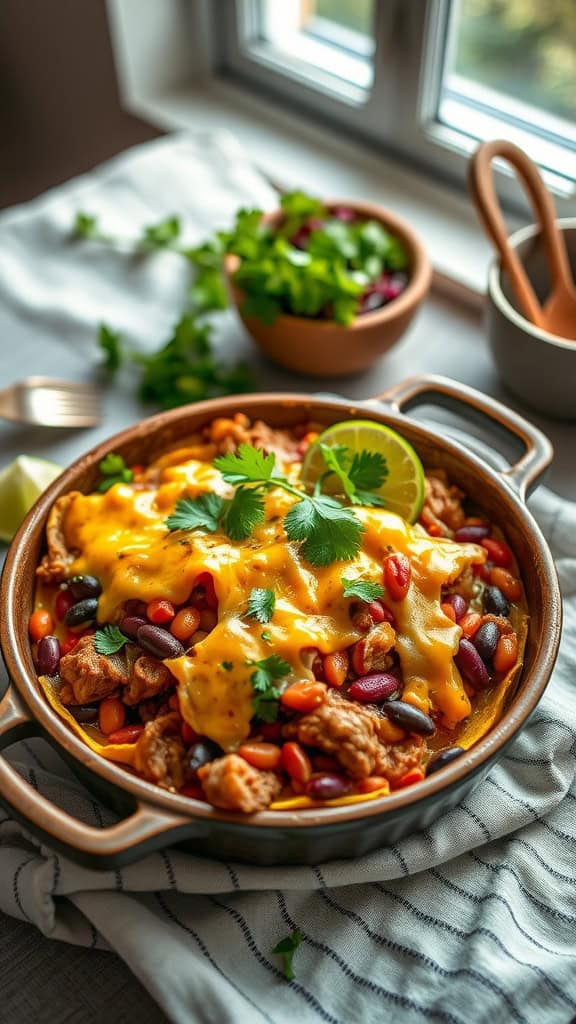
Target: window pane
(332, 37)
(511, 69)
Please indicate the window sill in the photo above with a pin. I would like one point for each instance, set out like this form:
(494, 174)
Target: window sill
(294, 152)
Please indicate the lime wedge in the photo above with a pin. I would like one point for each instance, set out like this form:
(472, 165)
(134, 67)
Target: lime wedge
(403, 489)
(21, 483)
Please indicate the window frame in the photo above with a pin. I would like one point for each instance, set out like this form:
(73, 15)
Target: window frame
(412, 38)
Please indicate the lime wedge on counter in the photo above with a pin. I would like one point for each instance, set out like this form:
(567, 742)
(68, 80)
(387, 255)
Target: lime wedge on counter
(403, 489)
(21, 483)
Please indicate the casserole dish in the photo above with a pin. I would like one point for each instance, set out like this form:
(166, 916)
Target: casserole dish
(152, 818)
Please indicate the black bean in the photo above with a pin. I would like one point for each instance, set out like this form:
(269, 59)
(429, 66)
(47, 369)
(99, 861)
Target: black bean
(131, 624)
(201, 753)
(48, 657)
(485, 640)
(495, 602)
(83, 611)
(84, 586)
(159, 642)
(443, 758)
(408, 717)
(85, 712)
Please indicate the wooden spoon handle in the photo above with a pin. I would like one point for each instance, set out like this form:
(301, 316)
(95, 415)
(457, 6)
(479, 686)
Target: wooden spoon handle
(486, 200)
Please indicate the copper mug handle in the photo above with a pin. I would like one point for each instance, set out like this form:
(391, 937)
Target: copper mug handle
(538, 454)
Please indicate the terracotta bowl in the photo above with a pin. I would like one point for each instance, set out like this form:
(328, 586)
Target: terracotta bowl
(322, 348)
(152, 818)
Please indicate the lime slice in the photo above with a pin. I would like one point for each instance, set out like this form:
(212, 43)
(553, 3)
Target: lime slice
(403, 489)
(21, 483)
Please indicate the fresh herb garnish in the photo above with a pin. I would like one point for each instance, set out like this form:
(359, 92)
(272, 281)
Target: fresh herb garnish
(267, 671)
(86, 226)
(360, 474)
(162, 235)
(201, 513)
(109, 640)
(243, 513)
(286, 948)
(261, 604)
(364, 590)
(111, 344)
(115, 471)
(266, 636)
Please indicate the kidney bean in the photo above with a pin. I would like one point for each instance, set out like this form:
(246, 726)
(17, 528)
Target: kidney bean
(304, 696)
(358, 657)
(509, 585)
(375, 688)
(204, 592)
(82, 611)
(372, 784)
(48, 656)
(328, 787)
(64, 601)
(335, 667)
(410, 718)
(458, 603)
(295, 762)
(376, 611)
(40, 624)
(495, 602)
(159, 642)
(470, 624)
(85, 713)
(135, 607)
(208, 619)
(324, 763)
(485, 640)
(130, 625)
(471, 665)
(498, 552)
(127, 734)
(185, 624)
(443, 758)
(448, 611)
(265, 756)
(111, 715)
(160, 611)
(84, 586)
(471, 534)
(506, 652)
(412, 776)
(201, 753)
(397, 575)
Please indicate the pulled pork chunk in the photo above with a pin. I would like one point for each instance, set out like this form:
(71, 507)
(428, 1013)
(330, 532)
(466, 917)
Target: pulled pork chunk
(227, 433)
(55, 565)
(149, 677)
(351, 733)
(442, 503)
(160, 752)
(230, 782)
(378, 644)
(88, 676)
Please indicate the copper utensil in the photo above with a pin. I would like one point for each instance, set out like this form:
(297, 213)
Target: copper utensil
(558, 313)
(51, 403)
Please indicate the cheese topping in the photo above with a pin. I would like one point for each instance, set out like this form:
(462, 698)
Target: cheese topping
(121, 538)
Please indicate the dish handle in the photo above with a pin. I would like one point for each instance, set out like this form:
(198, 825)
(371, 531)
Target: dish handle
(147, 827)
(523, 474)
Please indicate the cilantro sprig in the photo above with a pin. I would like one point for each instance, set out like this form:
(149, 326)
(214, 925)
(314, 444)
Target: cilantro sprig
(286, 948)
(109, 640)
(363, 590)
(261, 604)
(115, 471)
(267, 671)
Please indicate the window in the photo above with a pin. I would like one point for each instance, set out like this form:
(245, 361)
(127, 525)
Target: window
(423, 79)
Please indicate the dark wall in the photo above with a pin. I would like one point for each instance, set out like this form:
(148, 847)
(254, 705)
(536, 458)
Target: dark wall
(59, 107)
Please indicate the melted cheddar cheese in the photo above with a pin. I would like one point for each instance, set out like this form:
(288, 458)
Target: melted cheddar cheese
(121, 538)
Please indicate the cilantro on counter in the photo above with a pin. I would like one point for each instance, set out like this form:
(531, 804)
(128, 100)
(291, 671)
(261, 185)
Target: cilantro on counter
(286, 948)
(115, 471)
(162, 235)
(109, 640)
(266, 695)
(261, 604)
(363, 590)
(111, 344)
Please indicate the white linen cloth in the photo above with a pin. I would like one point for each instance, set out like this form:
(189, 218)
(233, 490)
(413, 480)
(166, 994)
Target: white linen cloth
(470, 921)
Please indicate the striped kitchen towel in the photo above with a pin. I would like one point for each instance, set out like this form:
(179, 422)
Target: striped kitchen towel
(470, 921)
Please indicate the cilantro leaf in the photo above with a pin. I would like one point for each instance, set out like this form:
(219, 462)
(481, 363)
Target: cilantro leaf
(115, 471)
(364, 590)
(111, 344)
(261, 604)
(368, 470)
(201, 513)
(86, 226)
(208, 292)
(286, 948)
(330, 532)
(162, 235)
(266, 636)
(109, 640)
(262, 307)
(266, 695)
(247, 465)
(243, 513)
(335, 458)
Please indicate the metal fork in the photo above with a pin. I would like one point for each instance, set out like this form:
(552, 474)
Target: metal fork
(51, 403)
